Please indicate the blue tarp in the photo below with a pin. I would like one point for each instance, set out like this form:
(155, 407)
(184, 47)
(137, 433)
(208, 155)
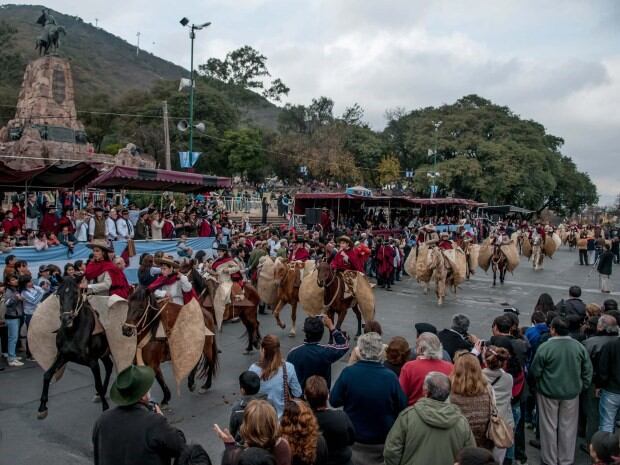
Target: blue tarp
(59, 255)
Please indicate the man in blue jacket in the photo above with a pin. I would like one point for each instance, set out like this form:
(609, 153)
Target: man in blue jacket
(372, 398)
(313, 358)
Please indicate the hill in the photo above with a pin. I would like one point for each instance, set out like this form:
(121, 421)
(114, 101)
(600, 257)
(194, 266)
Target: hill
(102, 64)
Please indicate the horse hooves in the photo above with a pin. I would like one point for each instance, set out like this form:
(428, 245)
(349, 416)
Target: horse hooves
(96, 399)
(42, 415)
(203, 390)
(282, 325)
(248, 352)
(292, 333)
(191, 388)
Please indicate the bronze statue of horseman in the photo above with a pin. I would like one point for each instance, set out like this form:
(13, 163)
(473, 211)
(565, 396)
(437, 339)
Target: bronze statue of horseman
(50, 37)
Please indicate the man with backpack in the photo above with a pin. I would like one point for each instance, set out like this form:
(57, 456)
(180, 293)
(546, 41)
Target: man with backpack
(573, 305)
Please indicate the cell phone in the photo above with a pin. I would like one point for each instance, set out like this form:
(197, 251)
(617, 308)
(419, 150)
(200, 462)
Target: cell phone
(152, 406)
(512, 310)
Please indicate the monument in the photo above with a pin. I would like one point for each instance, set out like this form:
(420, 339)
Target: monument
(46, 128)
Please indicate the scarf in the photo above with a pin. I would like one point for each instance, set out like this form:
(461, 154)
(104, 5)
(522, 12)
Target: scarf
(120, 286)
(169, 280)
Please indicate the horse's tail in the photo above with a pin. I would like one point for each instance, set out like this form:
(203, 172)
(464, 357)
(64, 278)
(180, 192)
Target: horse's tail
(209, 364)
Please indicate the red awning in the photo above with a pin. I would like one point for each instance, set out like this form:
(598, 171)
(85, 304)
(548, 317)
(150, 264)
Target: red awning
(444, 201)
(60, 175)
(147, 179)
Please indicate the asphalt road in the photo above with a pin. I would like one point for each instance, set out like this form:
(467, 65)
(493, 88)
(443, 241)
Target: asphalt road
(65, 436)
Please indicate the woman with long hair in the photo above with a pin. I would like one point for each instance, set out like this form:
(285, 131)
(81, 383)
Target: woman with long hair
(147, 272)
(259, 429)
(157, 225)
(495, 359)
(301, 430)
(278, 379)
(103, 277)
(397, 354)
(472, 394)
(14, 303)
(544, 304)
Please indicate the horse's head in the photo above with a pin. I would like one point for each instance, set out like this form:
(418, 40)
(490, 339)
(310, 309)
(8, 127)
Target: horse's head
(324, 273)
(70, 299)
(187, 266)
(139, 302)
(280, 269)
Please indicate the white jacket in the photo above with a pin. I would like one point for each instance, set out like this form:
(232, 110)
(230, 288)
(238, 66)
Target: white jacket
(124, 228)
(175, 290)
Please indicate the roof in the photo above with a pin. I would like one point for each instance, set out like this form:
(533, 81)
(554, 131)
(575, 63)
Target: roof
(67, 175)
(149, 179)
(444, 201)
(504, 209)
(336, 195)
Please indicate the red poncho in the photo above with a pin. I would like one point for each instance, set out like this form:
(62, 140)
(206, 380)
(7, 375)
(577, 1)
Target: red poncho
(338, 262)
(171, 279)
(300, 254)
(120, 286)
(385, 260)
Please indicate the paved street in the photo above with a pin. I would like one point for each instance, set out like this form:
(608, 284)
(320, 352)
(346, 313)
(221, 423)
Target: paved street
(65, 436)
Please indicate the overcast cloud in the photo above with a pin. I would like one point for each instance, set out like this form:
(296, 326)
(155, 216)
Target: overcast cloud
(557, 62)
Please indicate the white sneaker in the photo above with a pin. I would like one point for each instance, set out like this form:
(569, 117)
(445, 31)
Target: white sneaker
(15, 363)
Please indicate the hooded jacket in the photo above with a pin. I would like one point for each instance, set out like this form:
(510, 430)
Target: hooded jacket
(430, 432)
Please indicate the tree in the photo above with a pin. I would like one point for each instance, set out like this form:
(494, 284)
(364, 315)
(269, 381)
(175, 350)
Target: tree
(245, 153)
(276, 91)
(353, 115)
(389, 170)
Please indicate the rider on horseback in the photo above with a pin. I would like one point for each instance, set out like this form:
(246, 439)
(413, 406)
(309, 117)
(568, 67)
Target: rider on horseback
(172, 284)
(300, 252)
(104, 277)
(499, 236)
(346, 258)
(444, 241)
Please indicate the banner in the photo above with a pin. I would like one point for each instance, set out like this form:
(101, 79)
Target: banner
(187, 161)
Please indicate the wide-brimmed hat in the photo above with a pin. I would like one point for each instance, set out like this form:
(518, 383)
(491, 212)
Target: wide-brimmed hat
(223, 247)
(429, 227)
(444, 234)
(346, 239)
(101, 244)
(131, 384)
(168, 260)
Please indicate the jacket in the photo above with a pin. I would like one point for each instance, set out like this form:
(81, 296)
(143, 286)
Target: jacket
(313, 358)
(412, 376)
(572, 306)
(430, 432)
(14, 306)
(501, 382)
(372, 398)
(561, 368)
(339, 434)
(608, 368)
(236, 416)
(594, 345)
(273, 387)
(134, 435)
(605, 262)
(452, 342)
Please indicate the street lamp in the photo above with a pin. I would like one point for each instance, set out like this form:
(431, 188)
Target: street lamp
(434, 174)
(192, 35)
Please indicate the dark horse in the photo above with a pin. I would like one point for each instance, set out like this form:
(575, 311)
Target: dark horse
(76, 343)
(143, 318)
(50, 38)
(247, 306)
(499, 263)
(333, 300)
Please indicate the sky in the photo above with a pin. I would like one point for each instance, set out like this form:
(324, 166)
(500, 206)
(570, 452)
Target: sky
(556, 62)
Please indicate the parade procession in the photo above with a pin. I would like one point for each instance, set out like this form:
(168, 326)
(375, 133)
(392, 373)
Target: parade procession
(200, 269)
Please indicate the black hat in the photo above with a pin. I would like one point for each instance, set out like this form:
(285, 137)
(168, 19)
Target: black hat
(425, 328)
(223, 247)
(131, 384)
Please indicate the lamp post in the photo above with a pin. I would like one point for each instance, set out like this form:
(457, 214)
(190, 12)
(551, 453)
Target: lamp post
(434, 174)
(192, 35)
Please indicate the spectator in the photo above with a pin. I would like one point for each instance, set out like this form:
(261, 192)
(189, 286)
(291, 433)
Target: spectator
(534, 333)
(259, 429)
(147, 273)
(397, 354)
(475, 456)
(472, 394)
(421, 328)
(275, 373)
(13, 317)
(97, 226)
(430, 432)
(582, 246)
(335, 425)
(69, 270)
(544, 304)
(371, 326)
(135, 428)
(429, 354)
(605, 264)
(67, 239)
(32, 296)
(456, 338)
(142, 230)
(300, 429)
(157, 226)
(124, 227)
(608, 373)
(314, 358)
(371, 397)
(573, 305)
(33, 214)
(194, 454)
(249, 385)
(81, 226)
(184, 250)
(495, 358)
(40, 242)
(562, 370)
(604, 449)
(9, 265)
(110, 224)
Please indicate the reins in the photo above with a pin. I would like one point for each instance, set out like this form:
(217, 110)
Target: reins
(140, 322)
(76, 311)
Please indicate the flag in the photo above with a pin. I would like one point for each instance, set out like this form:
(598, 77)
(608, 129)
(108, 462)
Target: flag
(186, 160)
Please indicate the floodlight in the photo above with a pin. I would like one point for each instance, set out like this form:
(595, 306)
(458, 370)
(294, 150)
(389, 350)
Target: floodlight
(184, 21)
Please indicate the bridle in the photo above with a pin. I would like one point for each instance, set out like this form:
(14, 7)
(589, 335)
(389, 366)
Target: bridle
(141, 321)
(73, 313)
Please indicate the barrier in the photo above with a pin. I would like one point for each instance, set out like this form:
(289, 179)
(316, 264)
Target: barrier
(59, 255)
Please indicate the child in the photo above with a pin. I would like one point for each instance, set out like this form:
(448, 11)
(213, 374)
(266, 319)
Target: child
(604, 448)
(32, 296)
(183, 250)
(249, 385)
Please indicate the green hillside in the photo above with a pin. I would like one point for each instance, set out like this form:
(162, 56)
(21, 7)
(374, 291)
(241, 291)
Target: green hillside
(102, 64)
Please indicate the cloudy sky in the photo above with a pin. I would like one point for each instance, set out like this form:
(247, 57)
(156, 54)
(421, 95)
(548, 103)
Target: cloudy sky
(557, 62)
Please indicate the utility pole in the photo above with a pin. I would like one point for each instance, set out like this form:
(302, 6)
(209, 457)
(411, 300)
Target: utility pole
(96, 22)
(435, 174)
(166, 135)
(138, 45)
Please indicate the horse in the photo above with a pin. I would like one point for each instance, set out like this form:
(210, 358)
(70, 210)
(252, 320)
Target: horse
(571, 240)
(143, 318)
(247, 306)
(537, 253)
(76, 343)
(50, 38)
(499, 263)
(334, 301)
(287, 276)
(437, 264)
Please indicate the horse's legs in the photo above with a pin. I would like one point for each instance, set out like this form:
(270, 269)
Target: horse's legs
(209, 354)
(292, 333)
(494, 274)
(358, 314)
(250, 321)
(94, 368)
(47, 378)
(276, 313)
(159, 376)
(191, 379)
(108, 365)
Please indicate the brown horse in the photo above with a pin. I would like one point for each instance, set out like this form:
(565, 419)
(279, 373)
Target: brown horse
(287, 277)
(499, 263)
(245, 309)
(334, 301)
(143, 318)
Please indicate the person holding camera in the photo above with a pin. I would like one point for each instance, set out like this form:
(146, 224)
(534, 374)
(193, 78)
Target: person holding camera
(136, 427)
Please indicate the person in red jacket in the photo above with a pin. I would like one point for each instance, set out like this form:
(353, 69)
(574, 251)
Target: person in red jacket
(326, 222)
(167, 230)
(49, 224)
(385, 264)
(299, 253)
(444, 242)
(67, 220)
(10, 224)
(346, 258)
(205, 228)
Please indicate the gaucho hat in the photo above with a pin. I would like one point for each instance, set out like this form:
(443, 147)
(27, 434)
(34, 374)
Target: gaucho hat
(131, 384)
